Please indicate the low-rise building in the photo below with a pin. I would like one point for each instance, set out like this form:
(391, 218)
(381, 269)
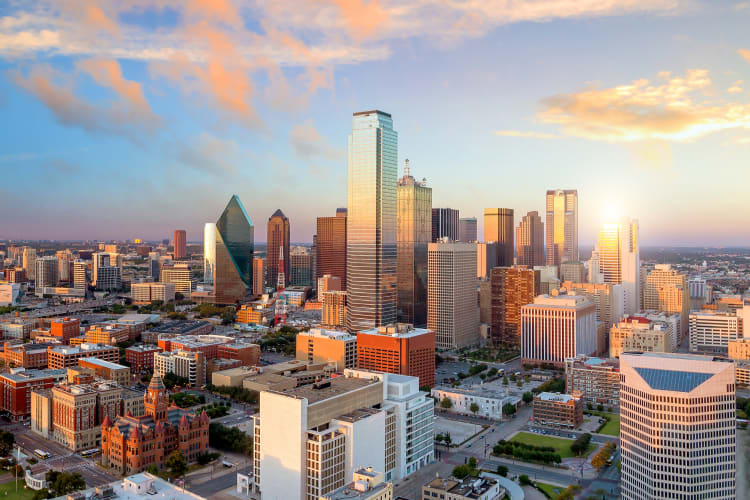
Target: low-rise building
(107, 334)
(141, 357)
(597, 380)
(399, 349)
(107, 370)
(468, 488)
(16, 388)
(179, 327)
(61, 357)
(232, 377)
(141, 486)
(742, 373)
(247, 354)
(190, 365)
(256, 313)
(65, 328)
(489, 402)
(26, 355)
(331, 346)
(740, 348)
(367, 484)
(558, 410)
(711, 330)
(207, 344)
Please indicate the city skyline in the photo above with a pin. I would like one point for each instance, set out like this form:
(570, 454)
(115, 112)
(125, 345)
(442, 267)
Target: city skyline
(559, 91)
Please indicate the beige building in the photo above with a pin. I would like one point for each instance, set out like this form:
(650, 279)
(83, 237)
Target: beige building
(188, 364)
(636, 333)
(573, 271)
(333, 313)
(41, 412)
(146, 293)
(78, 410)
(133, 402)
(711, 330)
(597, 380)
(107, 370)
(742, 371)
(667, 290)
(327, 346)
(232, 377)
(367, 484)
(739, 349)
(180, 275)
(107, 334)
(468, 488)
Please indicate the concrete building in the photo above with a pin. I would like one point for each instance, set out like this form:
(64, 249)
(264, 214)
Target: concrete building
(498, 227)
(367, 484)
(398, 349)
(555, 328)
(147, 293)
(333, 313)
(257, 313)
(29, 262)
(530, 241)
(10, 293)
(490, 402)
(259, 276)
(467, 230)
(80, 274)
(301, 267)
(711, 330)
(78, 411)
(637, 333)
(666, 290)
(444, 224)
(510, 289)
(190, 365)
(608, 299)
(277, 248)
(452, 311)
(331, 246)
(574, 272)
(209, 252)
(557, 410)
(106, 271)
(468, 488)
(597, 380)
(107, 370)
(308, 440)
(180, 276)
(107, 334)
(562, 226)
(677, 427)
(47, 273)
(329, 346)
(486, 259)
(619, 260)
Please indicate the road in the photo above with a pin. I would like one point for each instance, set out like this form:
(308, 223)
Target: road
(64, 309)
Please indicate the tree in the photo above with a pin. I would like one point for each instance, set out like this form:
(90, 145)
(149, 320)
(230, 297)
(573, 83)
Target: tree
(6, 443)
(524, 479)
(502, 470)
(439, 438)
(461, 471)
(474, 408)
(176, 463)
(152, 469)
(448, 439)
(62, 483)
(599, 408)
(505, 380)
(580, 444)
(446, 403)
(508, 409)
(528, 397)
(473, 463)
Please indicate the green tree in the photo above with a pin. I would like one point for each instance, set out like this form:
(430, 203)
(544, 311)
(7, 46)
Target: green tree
(6, 442)
(461, 471)
(473, 463)
(152, 469)
(524, 479)
(474, 408)
(446, 403)
(502, 470)
(448, 439)
(176, 463)
(508, 409)
(527, 397)
(505, 381)
(62, 483)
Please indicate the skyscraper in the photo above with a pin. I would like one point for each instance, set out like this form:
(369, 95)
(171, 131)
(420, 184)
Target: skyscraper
(47, 273)
(667, 290)
(79, 279)
(278, 238)
(331, 246)
(510, 289)
(677, 427)
(106, 270)
(467, 229)
(619, 260)
(444, 224)
(452, 310)
(413, 235)
(29, 262)
(234, 253)
(180, 250)
(498, 226)
(209, 252)
(259, 275)
(530, 240)
(562, 226)
(371, 221)
(300, 266)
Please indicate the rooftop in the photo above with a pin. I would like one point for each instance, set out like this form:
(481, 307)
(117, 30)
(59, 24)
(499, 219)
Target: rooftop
(143, 348)
(400, 330)
(179, 326)
(470, 487)
(554, 397)
(560, 301)
(330, 388)
(329, 334)
(21, 375)
(103, 363)
(137, 487)
(66, 349)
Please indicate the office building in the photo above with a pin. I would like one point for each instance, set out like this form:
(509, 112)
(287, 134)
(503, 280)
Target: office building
(130, 444)
(330, 246)
(47, 273)
(10, 293)
(498, 227)
(180, 275)
(444, 224)
(190, 365)
(107, 370)
(414, 209)
(608, 299)
(25, 355)
(180, 248)
(669, 321)
(555, 328)
(106, 271)
(739, 349)
(301, 267)
(16, 388)
(510, 289)
(147, 293)
(64, 260)
(557, 410)
(111, 334)
(209, 252)
(711, 331)
(468, 488)
(619, 260)
(78, 411)
(15, 275)
(597, 380)
(310, 439)
(29, 262)
(486, 259)
(667, 290)
(257, 313)
(277, 248)
(367, 484)
(548, 279)
(467, 229)
(398, 349)
(637, 333)
(234, 254)
(259, 276)
(562, 226)
(333, 312)
(371, 222)
(573, 271)
(154, 265)
(60, 357)
(329, 346)
(677, 427)
(530, 241)
(140, 357)
(329, 283)
(452, 311)
(80, 270)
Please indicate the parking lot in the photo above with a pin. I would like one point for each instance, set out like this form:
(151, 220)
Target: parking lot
(460, 431)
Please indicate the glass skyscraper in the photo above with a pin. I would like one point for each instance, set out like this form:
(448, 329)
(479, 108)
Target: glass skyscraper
(371, 221)
(235, 242)
(209, 252)
(413, 235)
(562, 226)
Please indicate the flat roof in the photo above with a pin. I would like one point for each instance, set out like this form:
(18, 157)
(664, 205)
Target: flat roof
(558, 398)
(162, 490)
(336, 387)
(101, 362)
(411, 332)
(26, 375)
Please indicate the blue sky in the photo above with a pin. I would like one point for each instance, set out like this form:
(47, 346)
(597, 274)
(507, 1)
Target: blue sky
(131, 121)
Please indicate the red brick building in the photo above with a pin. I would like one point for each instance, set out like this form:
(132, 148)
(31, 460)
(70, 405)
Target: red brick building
(247, 354)
(67, 356)
(26, 355)
(65, 328)
(398, 349)
(15, 390)
(141, 357)
(558, 410)
(130, 444)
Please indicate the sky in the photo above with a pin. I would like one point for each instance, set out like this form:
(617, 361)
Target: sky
(128, 119)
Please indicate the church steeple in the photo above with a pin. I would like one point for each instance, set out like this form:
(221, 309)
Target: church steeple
(155, 399)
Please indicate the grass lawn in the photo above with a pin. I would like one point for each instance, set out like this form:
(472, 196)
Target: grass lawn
(552, 491)
(611, 428)
(561, 445)
(8, 490)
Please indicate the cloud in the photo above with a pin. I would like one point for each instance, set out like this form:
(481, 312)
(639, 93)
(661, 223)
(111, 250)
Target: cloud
(362, 17)
(107, 73)
(96, 18)
(212, 155)
(744, 53)
(736, 88)
(61, 166)
(520, 133)
(308, 143)
(678, 109)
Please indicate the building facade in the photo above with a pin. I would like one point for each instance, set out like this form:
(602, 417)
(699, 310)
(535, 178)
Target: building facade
(562, 226)
(180, 244)
(530, 241)
(327, 346)
(498, 227)
(510, 289)
(333, 313)
(557, 410)
(331, 246)
(209, 252)
(147, 293)
(186, 364)
(597, 380)
(711, 331)
(637, 333)
(619, 260)
(234, 253)
(444, 224)
(467, 229)
(398, 349)
(667, 290)
(277, 242)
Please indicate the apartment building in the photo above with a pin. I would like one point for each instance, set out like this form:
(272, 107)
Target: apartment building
(179, 275)
(60, 357)
(107, 334)
(333, 313)
(597, 380)
(398, 349)
(557, 410)
(328, 346)
(190, 365)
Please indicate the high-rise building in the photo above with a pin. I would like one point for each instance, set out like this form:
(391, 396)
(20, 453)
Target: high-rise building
(180, 275)
(259, 275)
(64, 260)
(637, 333)
(106, 271)
(154, 265)
(301, 267)
(510, 289)
(412, 237)
(555, 328)
(452, 309)
(486, 258)
(467, 229)
(666, 290)
(530, 240)
(711, 331)
(608, 299)
(234, 253)
(209, 252)
(371, 222)
(331, 246)
(180, 244)
(573, 271)
(329, 283)
(80, 269)
(562, 226)
(183, 363)
(277, 242)
(498, 227)
(29, 262)
(333, 310)
(444, 224)
(619, 260)
(677, 427)
(327, 346)
(47, 273)
(398, 349)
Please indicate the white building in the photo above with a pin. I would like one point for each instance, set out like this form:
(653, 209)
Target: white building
(557, 327)
(9, 293)
(209, 252)
(711, 331)
(490, 402)
(677, 427)
(106, 271)
(619, 260)
(145, 293)
(79, 278)
(180, 276)
(142, 486)
(187, 364)
(47, 273)
(29, 262)
(672, 322)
